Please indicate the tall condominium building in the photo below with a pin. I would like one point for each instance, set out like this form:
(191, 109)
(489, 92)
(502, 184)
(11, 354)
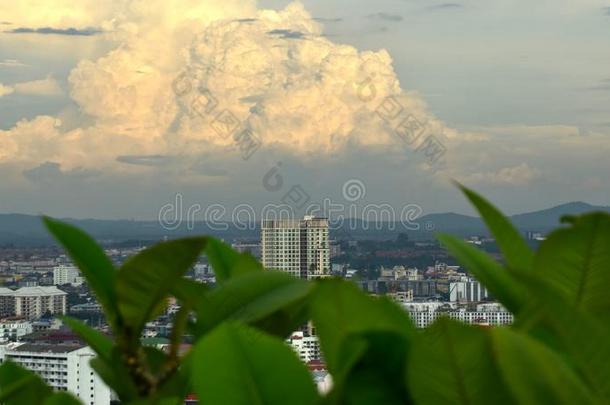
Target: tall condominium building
(32, 302)
(298, 247)
(63, 367)
(66, 275)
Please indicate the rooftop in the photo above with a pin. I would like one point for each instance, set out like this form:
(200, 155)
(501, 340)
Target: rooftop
(31, 291)
(44, 348)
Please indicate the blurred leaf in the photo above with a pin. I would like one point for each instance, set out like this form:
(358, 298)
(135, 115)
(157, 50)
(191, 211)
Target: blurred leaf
(236, 364)
(146, 279)
(534, 373)
(552, 318)
(99, 342)
(179, 384)
(253, 298)
(20, 386)
(61, 398)
(155, 358)
(517, 253)
(116, 376)
(189, 291)
(452, 363)
(576, 260)
(377, 370)
(487, 271)
(227, 263)
(341, 311)
(93, 263)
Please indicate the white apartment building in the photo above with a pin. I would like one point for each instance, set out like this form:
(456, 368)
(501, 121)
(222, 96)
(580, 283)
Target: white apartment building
(490, 318)
(11, 330)
(424, 314)
(32, 302)
(65, 368)
(63, 274)
(307, 347)
(298, 247)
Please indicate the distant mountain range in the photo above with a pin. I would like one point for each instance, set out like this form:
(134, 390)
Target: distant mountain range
(23, 230)
(537, 221)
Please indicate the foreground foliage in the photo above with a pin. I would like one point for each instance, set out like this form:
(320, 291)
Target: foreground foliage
(557, 351)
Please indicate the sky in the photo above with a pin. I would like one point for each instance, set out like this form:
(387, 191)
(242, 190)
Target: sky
(114, 109)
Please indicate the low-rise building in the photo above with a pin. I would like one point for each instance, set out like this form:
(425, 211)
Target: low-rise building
(11, 330)
(32, 302)
(63, 367)
(424, 314)
(307, 347)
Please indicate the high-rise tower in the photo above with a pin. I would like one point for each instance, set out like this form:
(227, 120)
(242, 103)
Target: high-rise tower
(298, 247)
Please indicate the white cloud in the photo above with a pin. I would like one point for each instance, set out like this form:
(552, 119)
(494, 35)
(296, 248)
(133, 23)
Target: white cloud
(5, 90)
(57, 13)
(519, 175)
(296, 89)
(12, 63)
(43, 87)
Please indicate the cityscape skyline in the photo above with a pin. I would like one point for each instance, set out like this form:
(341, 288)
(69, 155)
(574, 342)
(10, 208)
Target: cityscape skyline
(304, 202)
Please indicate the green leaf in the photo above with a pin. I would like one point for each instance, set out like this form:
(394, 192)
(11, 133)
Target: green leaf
(116, 376)
(179, 384)
(99, 342)
(576, 260)
(93, 263)
(341, 311)
(61, 398)
(255, 298)
(517, 253)
(232, 367)
(190, 292)
(227, 263)
(452, 363)
(377, 371)
(20, 386)
(487, 271)
(552, 318)
(147, 278)
(534, 373)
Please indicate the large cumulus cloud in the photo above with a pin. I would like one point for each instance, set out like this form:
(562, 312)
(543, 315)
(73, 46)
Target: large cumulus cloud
(274, 71)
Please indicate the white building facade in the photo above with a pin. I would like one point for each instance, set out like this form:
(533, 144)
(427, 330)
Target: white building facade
(306, 347)
(13, 330)
(66, 275)
(424, 314)
(65, 368)
(467, 291)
